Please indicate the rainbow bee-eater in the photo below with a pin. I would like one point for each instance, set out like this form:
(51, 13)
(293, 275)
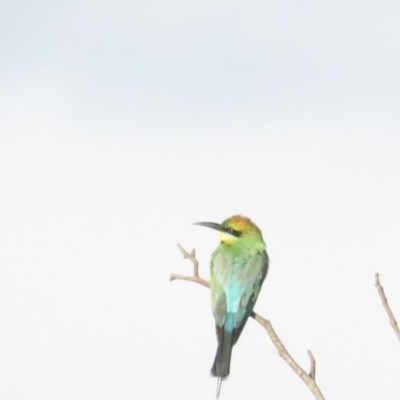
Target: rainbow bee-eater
(238, 268)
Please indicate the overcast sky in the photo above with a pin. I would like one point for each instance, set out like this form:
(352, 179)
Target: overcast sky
(122, 123)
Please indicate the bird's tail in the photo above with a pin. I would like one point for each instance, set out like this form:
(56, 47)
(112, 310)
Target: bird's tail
(222, 360)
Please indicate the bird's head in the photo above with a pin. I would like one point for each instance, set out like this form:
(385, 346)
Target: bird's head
(235, 229)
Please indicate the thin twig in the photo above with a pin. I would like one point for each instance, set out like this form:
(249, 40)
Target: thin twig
(192, 257)
(308, 379)
(313, 365)
(386, 306)
(196, 279)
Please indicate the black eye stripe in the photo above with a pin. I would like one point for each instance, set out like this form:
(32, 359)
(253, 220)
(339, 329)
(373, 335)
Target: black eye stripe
(232, 231)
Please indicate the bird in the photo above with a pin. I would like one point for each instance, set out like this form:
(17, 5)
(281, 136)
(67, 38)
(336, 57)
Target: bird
(238, 268)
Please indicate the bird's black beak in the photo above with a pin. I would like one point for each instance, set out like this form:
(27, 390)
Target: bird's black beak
(212, 225)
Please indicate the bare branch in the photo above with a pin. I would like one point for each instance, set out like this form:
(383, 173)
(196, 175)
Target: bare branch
(308, 379)
(386, 306)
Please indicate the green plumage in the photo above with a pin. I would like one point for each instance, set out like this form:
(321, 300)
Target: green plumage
(239, 266)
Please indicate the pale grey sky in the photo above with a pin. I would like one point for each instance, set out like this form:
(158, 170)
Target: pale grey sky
(124, 122)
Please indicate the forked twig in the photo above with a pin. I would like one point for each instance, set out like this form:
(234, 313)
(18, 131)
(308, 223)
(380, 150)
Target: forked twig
(308, 379)
(195, 277)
